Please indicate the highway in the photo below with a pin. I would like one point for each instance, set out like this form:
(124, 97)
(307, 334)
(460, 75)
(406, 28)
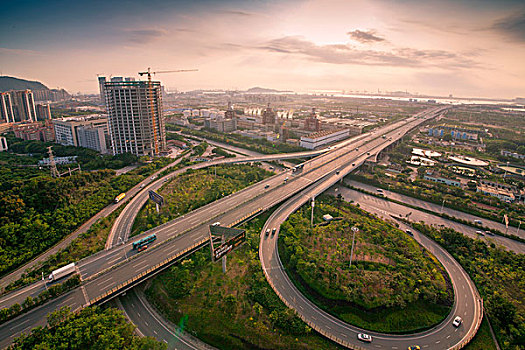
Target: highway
(387, 209)
(113, 271)
(467, 302)
(437, 208)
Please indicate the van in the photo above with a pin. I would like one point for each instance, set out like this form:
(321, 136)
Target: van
(409, 232)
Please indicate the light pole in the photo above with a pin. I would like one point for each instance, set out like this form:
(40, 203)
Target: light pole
(505, 175)
(312, 216)
(354, 230)
(442, 205)
(518, 230)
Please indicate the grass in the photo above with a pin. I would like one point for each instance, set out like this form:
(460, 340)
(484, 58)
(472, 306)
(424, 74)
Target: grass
(483, 339)
(235, 310)
(393, 286)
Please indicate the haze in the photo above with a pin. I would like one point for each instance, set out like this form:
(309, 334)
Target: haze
(464, 48)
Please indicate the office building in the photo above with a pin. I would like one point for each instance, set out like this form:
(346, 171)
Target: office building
(101, 82)
(88, 132)
(43, 112)
(135, 117)
(6, 108)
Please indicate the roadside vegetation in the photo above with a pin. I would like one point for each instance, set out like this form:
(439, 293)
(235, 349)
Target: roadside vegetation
(256, 145)
(394, 285)
(195, 188)
(38, 210)
(91, 328)
(499, 276)
(233, 310)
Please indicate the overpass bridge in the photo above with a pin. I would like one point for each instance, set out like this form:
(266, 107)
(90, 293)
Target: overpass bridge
(113, 271)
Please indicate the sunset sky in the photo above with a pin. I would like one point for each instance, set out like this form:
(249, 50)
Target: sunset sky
(462, 47)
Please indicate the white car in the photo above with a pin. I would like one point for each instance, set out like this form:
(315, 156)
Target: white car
(457, 321)
(364, 337)
(218, 223)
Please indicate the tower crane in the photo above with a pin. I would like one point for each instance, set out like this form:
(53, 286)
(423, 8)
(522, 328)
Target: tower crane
(149, 73)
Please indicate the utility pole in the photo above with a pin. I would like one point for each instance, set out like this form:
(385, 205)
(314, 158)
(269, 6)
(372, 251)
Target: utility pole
(518, 230)
(354, 230)
(442, 205)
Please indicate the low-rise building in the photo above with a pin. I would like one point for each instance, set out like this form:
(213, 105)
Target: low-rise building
(321, 138)
(512, 154)
(35, 131)
(58, 160)
(503, 193)
(437, 177)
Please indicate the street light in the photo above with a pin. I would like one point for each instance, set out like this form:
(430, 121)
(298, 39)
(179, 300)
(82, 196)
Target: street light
(354, 230)
(442, 205)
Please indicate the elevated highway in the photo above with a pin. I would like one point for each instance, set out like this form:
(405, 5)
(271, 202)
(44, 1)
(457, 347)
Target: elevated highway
(113, 271)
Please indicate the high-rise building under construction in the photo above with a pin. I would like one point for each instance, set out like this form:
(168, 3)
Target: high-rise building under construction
(135, 120)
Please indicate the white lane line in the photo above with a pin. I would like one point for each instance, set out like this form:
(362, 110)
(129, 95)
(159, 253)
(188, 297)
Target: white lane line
(140, 263)
(164, 340)
(439, 341)
(146, 323)
(19, 324)
(106, 280)
(154, 331)
(138, 313)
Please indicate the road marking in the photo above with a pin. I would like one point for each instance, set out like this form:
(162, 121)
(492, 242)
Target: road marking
(116, 259)
(147, 325)
(138, 313)
(154, 331)
(98, 284)
(164, 340)
(19, 324)
(140, 263)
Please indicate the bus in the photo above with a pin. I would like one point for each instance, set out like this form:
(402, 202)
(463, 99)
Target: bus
(120, 197)
(144, 241)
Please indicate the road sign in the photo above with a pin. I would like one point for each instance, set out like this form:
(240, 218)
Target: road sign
(155, 197)
(232, 238)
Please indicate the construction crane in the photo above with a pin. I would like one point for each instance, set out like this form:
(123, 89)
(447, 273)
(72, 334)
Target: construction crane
(149, 73)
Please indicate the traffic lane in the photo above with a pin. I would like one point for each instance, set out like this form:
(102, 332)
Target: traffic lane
(385, 208)
(149, 323)
(431, 338)
(38, 316)
(437, 208)
(19, 295)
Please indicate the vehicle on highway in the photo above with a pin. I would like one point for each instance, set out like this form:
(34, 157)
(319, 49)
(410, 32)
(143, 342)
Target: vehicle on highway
(337, 172)
(144, 241)
(154, 177)
(286, 179)
(364, 337)
(353, 164)
(217, 223)
(457, 321)
(384, 136)
(478, 222)
(143, 185)
(266, 186)
(367, 153)
(273, 231)
(489, 233)
(144, 247)
(271, 168)
(357, 149)
(267, 233)
(409, 232)
(479, 232)
(414, 347)
(120, 197)
(62, 272)
(379, 190)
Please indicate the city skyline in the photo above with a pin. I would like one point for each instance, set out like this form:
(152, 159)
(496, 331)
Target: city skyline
(465, 48)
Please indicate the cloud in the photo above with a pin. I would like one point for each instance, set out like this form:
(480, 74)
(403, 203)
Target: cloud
(365, 37)
(513, 26)
(347, 54)
(236, 13)
(144, 36)
(8, 51)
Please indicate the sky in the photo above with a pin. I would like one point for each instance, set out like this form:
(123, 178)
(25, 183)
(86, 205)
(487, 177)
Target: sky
(469, 48)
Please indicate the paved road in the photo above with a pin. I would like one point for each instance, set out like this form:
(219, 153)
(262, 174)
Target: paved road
(385, 208)
(437, 208)
(116, 269)
(467, 303)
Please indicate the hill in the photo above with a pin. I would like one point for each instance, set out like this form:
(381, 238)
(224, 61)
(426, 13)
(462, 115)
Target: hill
(12, 83)
(260, 90)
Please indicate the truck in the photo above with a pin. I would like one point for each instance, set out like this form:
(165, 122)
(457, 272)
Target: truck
(62, 272)
(120, 197)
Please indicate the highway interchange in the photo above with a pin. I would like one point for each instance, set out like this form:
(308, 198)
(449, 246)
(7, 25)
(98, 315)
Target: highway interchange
(102, 272)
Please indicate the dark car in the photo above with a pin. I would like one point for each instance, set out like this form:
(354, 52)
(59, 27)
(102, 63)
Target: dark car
(273, 231)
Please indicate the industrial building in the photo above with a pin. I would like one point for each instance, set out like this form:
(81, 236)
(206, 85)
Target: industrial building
(135, 117)
(322, 138)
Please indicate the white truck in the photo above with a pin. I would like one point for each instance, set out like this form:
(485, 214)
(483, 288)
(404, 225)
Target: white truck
(62, 272)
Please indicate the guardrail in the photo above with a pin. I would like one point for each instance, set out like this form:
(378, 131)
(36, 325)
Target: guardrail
(145, 273)
(467, 339)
